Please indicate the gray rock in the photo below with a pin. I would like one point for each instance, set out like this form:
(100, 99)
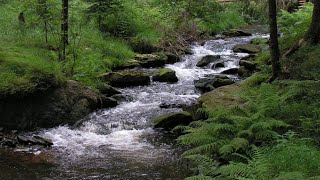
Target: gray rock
(126, 78)
(236, 33)
(108, 90)
(209, 84)
(230, 71)
(207, 60)
(165, 75)
(246, 48)
(65, 104)
(172, 58)
(196, 111)
(171, 120)
(122, 97)
(219, 64)
(151, 60)
(108, 102)
(251, 66)
(131, 64)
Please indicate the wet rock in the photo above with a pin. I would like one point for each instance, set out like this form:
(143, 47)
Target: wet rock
(122, 98)
(43, 141)
(208, 84)
(246, 48)
(171, 120)
(126, 78)
(196, 111)
(131, 64)
(236, 33)
(8, 142)
(207, 60)
(165, 75)
(219, 64)
(230, 71)
(151, 60)
(251, 66)
(249, 57)
(172, 58)
(108, 102)
(243, 72)
(171, 105)
(65, 104)
(108, 90)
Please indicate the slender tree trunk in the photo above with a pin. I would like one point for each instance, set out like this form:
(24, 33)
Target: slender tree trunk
(274, 46)
(64, 27)
(313, 34)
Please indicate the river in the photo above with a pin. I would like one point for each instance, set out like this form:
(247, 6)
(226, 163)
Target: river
(120, 143)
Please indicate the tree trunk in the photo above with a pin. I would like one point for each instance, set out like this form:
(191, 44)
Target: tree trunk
(64, 27)
(274, 46)
(313, 34)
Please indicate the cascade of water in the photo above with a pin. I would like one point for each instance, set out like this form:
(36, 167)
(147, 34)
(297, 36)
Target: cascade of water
(122, 137)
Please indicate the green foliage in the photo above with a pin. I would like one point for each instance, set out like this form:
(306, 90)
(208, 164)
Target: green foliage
(24, 70)
(294, 25)
(291, 158)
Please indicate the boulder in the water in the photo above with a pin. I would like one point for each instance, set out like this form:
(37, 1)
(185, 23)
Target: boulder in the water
(151, 60)
(171, 105)
(195, 111)
(208, 84)
(171, 120)
(122, 97)
(172, 58)
(230, 71)
(108, 90)
(165, 75)
(246, 48)
(219, 64)
(207, 60)
(108, 102)
(126, 78)
(251, 66)
(236, 33)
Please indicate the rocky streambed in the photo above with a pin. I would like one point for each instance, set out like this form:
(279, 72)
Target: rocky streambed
(120, 142)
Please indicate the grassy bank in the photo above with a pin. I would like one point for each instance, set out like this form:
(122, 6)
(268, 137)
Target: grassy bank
(99, 38)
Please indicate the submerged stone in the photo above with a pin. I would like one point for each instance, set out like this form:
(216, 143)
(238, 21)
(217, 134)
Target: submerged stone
(171, 120)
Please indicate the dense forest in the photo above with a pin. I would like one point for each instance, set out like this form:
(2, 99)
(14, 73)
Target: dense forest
(60, 61)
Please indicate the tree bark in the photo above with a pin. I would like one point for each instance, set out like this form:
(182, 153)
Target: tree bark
(274, 46)
(313, 34)
(64, 27)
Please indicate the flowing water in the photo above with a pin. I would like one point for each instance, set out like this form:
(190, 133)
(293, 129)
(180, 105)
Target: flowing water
(119, 143)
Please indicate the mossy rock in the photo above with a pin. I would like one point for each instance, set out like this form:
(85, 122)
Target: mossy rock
(151, 60)
(246, 48)
(236, 33)
(126, 78)
(230, 71)
(165, 75)
(108, 90)
(207, 60)
(209, 84)
(251, 66)
(226, 96)
(171, 120)
(131, 64)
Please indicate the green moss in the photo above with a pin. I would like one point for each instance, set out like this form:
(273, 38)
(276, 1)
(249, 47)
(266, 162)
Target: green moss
(25, 69)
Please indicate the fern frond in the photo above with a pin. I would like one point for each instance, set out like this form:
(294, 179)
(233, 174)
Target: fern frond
(200, 177)
(196, 139)
(206, 148)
